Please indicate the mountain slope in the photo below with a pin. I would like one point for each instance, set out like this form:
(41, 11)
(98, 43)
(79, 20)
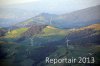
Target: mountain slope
(49, 41)
(15, 33)
(43, 18)
(94, 26)
(34, 29)
(75, 19)
(86, 35)
(42, 34)
(79, 18)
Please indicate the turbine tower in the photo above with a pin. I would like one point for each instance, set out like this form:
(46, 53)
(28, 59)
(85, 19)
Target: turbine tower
(67, 41)
(9, 30)
(51, 21)
(31, 40)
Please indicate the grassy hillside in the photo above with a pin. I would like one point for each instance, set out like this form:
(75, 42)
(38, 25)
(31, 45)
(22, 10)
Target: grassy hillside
(94, 27)
(50, 42)
(15, 33)
(43, 35)
(50, 30)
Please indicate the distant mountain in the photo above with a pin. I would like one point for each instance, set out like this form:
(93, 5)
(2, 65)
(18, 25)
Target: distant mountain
(45, 16)
(75, 19)
(79, 18)
(42, 19)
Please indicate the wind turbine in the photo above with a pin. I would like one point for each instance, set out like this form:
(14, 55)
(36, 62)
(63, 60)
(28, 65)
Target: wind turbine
(31, 40)
(9, 30)
(67, 41)
(51, 21)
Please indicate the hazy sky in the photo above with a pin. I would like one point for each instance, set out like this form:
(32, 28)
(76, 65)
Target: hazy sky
(51, 6)
(10, 2)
